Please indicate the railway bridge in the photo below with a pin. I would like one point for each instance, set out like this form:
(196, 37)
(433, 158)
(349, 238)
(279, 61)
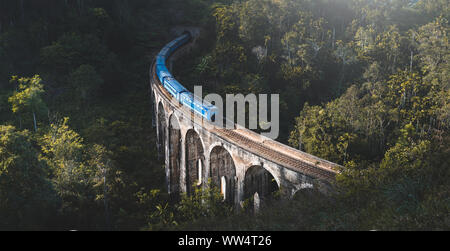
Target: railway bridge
(242, 163)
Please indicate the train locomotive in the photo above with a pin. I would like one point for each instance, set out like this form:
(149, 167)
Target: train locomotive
(177, 90)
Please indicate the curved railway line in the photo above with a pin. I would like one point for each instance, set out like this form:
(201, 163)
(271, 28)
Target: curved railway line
(251, 142)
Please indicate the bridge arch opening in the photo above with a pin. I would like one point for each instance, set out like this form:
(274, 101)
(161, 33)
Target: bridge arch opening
(194, 161)
(174, 156)
(308, 194)
(199, 172)
(223, 173)
(161, 130)
(223, 187)
(303, 192)
(259, 186)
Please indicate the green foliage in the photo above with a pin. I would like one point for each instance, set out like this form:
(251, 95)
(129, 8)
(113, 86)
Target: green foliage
(86, 81)
(393, 127)
(28, 97)
(369, 117)
(203, 204)
(93, 57)
(27, 197)
(72, 50)
(83, 175)
(63, 150)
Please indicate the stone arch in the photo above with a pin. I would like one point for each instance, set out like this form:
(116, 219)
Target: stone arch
(162, 125)
(308, 194)
(303, 192)
(195, 160)
(259, 183)
(223, 173)
(174, 155)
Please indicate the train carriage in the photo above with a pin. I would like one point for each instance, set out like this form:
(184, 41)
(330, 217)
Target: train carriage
(162, 72)
(174, 87)
(177, 90)
(206, 110)
(160, 60)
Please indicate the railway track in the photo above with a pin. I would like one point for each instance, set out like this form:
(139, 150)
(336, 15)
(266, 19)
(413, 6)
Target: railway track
(273, 155)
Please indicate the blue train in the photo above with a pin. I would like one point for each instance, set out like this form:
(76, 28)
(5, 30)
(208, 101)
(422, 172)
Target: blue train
(177, 90)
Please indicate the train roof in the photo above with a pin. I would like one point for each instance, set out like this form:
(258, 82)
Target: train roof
(175, 84)
(162, 71)
(160, 60)
(198, 99)
(164, 52)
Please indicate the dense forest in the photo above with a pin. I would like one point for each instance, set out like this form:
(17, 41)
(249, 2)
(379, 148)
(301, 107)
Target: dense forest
(362, 83)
